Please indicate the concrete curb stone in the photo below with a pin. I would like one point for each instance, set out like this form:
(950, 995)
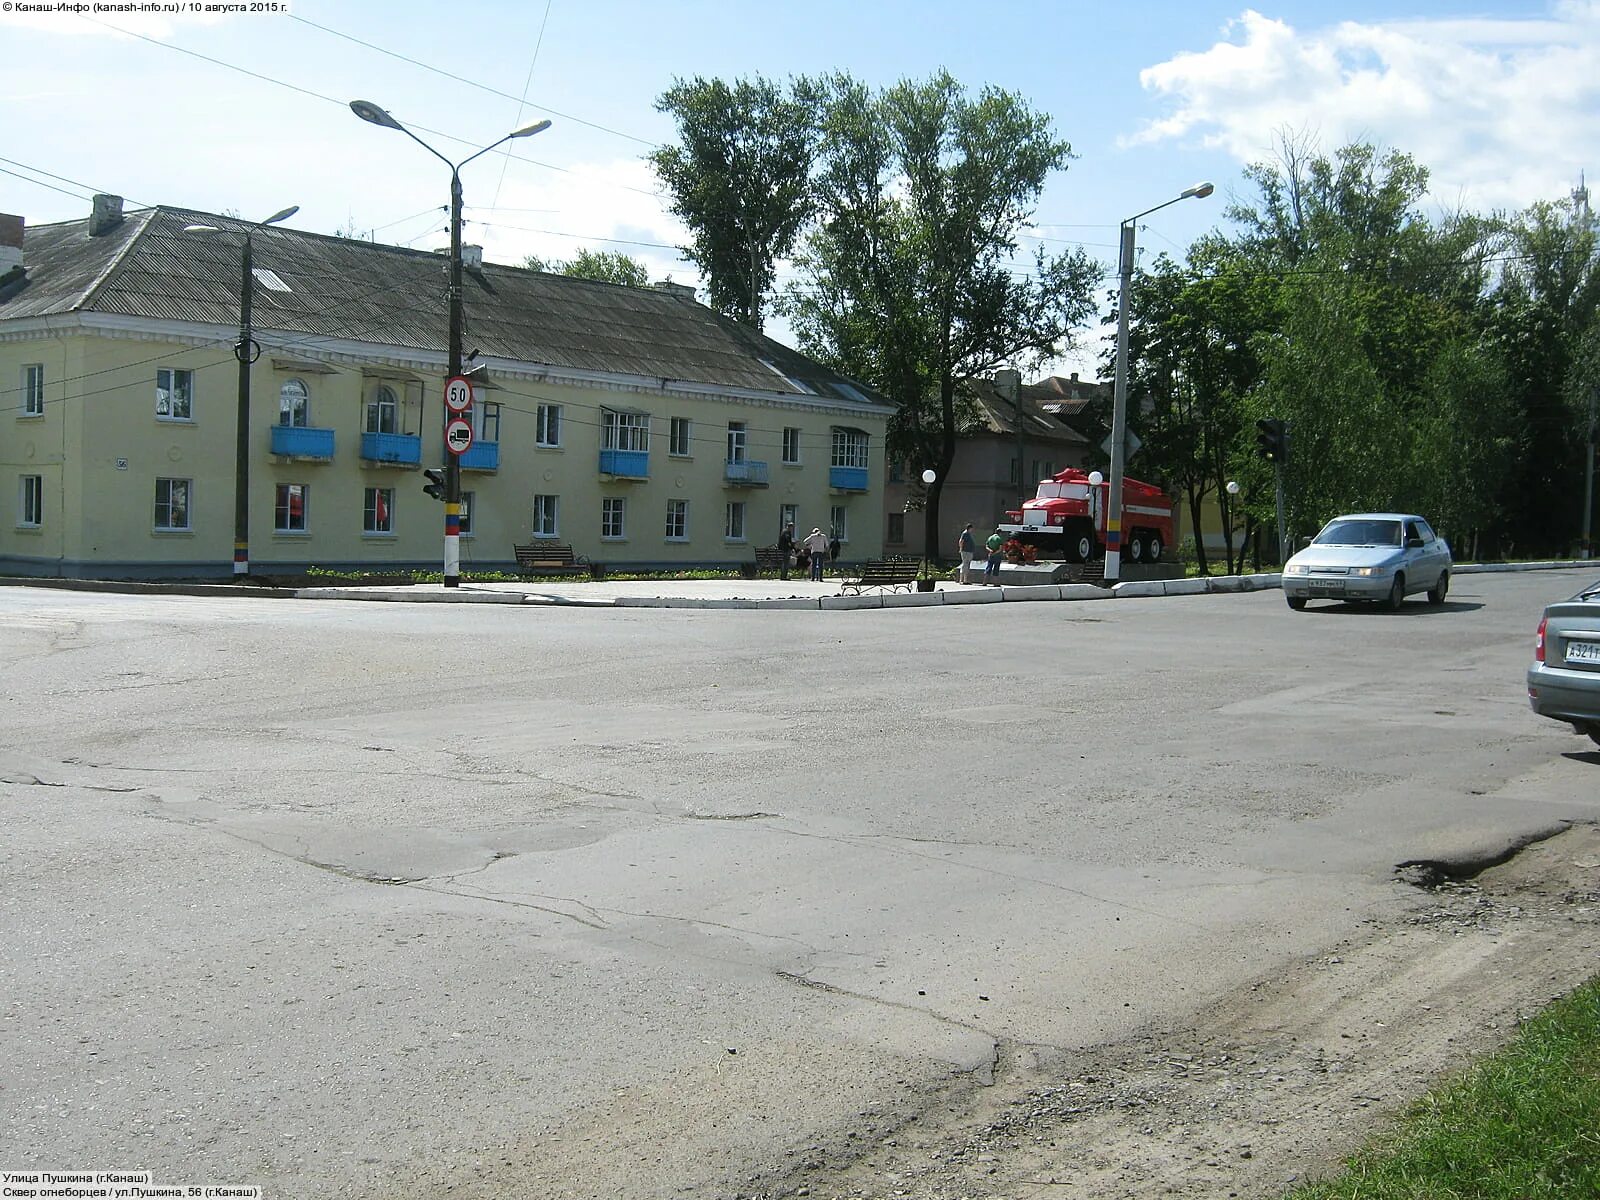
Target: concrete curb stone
(986, 595)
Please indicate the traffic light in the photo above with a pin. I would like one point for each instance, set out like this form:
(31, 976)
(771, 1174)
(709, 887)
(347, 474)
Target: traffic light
(435, 485)
(1272, 438)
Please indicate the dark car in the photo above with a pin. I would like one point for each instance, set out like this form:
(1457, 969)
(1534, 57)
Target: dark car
(1564, 681)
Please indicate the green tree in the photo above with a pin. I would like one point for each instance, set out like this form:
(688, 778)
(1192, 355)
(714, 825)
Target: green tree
(740, 180)
(603, 266)
(608, 266)
(909, 279)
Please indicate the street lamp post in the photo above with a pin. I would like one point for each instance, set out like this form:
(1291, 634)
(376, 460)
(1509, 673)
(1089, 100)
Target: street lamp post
(1119, 395)
(246, 351)
(371, 113)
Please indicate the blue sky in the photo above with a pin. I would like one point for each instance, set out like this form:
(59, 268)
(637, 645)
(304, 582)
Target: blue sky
(1501, 101)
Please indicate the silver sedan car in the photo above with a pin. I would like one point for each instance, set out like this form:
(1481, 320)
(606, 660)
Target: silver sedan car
(1564, 681)
(1382, 557)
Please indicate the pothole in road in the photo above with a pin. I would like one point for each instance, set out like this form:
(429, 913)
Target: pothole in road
(1431, 874)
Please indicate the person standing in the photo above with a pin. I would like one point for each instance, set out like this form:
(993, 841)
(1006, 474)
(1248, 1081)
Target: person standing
(967, 546)
(991, 569)
(785, 549)
(817, 548)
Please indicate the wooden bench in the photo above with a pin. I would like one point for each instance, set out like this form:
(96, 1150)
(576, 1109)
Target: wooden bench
(884, 573)
(550, 558)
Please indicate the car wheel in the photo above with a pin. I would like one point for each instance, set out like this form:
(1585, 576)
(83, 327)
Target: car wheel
(1397, 594)
(1436, 594)
(1153, 547)
(1593, 730)
(1298, 603)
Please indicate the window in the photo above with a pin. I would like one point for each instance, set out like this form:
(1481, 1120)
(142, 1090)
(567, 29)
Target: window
(289, 508)
(896, 533)
(838, 522)
(485, 424)
(679, 436)
(548, 429)
(677, 520)
(736, 441)
(546, 510)
(789, 514)
(30, 506)
(294, 404)
(849, 448)
(733, 526)
(175, 394)
(791, 445)
(1012, 476)
(613, 510)
(377, 510)
(33, 390)
(897, 471)
(1424, 532)
(465, 512)
(383, 414)
(624, 430)
(172, 504)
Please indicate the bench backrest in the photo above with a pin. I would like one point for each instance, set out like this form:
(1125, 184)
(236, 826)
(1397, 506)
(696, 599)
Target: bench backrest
(539, 554)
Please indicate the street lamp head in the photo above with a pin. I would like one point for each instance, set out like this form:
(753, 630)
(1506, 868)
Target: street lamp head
(1199, 191)
(929, 475)
(1233, 487)
(1096, 479)
(530, 130)
(370, 112)
(284, 215)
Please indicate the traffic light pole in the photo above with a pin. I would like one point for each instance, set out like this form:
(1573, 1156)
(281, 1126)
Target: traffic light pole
(1283, 528)
(452, 462)
(1591, 436)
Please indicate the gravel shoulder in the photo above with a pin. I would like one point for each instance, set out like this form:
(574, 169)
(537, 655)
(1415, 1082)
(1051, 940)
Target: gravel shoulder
(1274, 1083)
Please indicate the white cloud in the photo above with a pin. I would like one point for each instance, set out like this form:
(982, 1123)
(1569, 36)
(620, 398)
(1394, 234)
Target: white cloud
(1502, 111)
(598, 206)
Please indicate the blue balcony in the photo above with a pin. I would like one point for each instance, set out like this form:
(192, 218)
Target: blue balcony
(300, 441)
(745, 474)
(483, 456)
(401, 449)
(847, 479)
(625, 464)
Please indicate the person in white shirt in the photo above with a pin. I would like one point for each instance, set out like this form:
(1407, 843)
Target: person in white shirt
(817, 544)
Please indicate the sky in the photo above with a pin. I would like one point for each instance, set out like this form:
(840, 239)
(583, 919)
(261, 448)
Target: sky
(248, 112)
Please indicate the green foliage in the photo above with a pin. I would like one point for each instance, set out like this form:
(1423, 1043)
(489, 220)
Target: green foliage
(740, 180)
(603, 266)
(1523, 1125)
(907, 273)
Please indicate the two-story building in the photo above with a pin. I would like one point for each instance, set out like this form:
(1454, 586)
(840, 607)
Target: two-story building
(636, 425)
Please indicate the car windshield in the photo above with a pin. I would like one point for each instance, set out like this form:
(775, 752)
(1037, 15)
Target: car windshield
(1360, 533)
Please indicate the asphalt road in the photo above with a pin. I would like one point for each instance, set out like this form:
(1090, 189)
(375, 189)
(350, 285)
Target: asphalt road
(370, 900)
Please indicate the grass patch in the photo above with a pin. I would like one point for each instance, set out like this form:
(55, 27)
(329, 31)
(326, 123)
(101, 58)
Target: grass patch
(1522, 1125)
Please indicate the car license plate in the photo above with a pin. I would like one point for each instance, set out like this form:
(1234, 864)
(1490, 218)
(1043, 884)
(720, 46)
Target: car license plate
(1327, 585)
(1587, 653)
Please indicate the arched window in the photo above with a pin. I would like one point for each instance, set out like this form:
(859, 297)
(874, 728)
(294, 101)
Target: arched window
(294, 404)
(383, 411)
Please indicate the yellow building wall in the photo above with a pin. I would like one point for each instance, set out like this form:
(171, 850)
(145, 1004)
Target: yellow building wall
(100, 448)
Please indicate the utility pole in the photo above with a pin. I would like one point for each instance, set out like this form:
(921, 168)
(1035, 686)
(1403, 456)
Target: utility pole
(1591, 436)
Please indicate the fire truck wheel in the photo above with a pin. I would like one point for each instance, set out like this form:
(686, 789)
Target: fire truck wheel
(1153, 547)
(1298, 603)
(1136, 548)
(1079, 545)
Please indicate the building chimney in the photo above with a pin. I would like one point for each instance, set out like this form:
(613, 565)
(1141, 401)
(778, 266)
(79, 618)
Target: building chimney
(472, 257)
(106, 216)
(10, 243)
(684, 290)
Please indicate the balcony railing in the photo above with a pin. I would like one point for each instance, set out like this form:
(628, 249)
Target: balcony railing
(302, 441)
(626, 464)
(847, 479)
(401, 449)
(483, 456)
(745, 474)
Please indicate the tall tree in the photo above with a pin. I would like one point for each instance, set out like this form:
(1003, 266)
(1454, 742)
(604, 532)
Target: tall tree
(909, 275)
(740, 180)
(608, 266)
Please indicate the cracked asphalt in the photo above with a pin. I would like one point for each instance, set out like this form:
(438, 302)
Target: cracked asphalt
(358, 900)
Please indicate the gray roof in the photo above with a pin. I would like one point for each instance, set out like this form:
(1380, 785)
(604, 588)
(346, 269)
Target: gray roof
(997, 414)
(148, 267)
